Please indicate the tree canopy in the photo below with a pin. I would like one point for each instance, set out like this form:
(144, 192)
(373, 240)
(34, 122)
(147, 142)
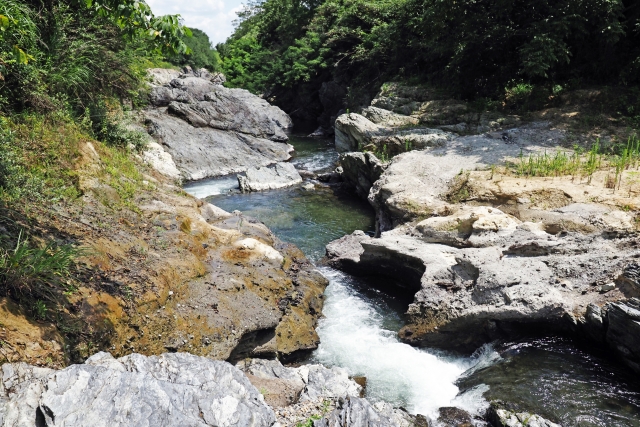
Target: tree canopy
(473, 47)
(202, 54)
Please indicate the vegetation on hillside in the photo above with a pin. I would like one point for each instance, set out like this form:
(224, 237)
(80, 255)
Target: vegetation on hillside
(71, 54)
(68, 68)
(474, 48)
(202, 54)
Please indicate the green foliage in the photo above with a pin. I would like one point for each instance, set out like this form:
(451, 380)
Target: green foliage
(108, 124)
(37, 158)
(60, 54)
(475, 48)
(309, 421)
(202, 54)
(35, 272)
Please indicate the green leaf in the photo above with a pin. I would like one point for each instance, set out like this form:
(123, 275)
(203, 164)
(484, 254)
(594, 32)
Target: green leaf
(4, 22)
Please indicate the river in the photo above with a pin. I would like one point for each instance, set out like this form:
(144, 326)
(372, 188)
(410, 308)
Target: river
(549, 376)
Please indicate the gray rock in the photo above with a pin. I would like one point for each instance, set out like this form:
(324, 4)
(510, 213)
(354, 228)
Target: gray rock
(269, 178)
(360, 171)
(623, 332)
(318, 382)
(20, 388)
(210, 130)
(355, 133)
(416, 183)
(502, 415)
(388, 118)
(206, 152)
(358, 412)
(465, 296)
(176, 389)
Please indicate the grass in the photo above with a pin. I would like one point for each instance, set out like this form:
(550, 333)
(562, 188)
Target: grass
(37, 158)
(122, 174)
(309, 421)
(579, 164)
(36, 273)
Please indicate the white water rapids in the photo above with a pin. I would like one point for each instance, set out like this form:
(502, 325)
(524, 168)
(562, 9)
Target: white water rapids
(352, 336)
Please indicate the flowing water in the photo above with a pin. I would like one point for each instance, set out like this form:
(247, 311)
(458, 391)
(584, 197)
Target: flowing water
(551, 377)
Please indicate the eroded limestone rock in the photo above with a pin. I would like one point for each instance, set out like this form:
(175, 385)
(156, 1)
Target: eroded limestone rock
(355, 133)
(176, 389)
(493, 281)
(358, 412)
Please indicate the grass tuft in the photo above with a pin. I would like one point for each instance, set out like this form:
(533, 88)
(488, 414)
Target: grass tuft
(36, 273)
(581, 165)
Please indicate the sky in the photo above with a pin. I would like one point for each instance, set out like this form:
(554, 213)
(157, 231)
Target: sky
(214, 17)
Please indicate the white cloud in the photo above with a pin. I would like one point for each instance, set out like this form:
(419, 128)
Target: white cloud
(214, 17)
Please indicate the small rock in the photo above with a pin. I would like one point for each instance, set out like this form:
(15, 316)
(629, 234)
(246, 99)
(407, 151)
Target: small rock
(608, 287)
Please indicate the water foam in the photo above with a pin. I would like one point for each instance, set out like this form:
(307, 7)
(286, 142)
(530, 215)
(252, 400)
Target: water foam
(211, 187)
(352, 336)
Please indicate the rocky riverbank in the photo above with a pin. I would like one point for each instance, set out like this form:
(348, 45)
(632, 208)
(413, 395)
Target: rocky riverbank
(487, 253)
(182, 389)
(164, 271)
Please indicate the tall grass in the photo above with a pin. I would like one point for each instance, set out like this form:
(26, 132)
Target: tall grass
(35, 272)
(579, 164)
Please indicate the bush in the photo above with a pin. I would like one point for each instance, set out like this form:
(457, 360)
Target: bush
(71, 53)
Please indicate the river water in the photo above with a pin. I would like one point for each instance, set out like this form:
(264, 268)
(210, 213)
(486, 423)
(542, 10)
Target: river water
(551, 376)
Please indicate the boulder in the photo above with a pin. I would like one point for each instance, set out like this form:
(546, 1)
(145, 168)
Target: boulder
(623, 331)
(21, 386)
(358, 412)
(156, 157)
(360, 171)
(355, 133)
(210, 130)
(498, 279)
(388, 118)
(176, 389)
(502, 415)
(162, 76)
(451, 416)
(269, 178)
(315, 382)
(476, 226)
(207, 152)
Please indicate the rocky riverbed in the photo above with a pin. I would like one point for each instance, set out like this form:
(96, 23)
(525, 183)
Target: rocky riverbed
(485, 253)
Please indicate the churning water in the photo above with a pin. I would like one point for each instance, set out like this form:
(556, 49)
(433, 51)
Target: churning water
(357, 334)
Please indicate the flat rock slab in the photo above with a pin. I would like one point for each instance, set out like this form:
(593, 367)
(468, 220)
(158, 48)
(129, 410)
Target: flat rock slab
(269, 178)
(173, 389)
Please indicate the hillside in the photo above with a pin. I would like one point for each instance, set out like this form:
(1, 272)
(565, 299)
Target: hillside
(315, 59)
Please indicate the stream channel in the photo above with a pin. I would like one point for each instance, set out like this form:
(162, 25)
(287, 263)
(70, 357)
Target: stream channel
(550, 376)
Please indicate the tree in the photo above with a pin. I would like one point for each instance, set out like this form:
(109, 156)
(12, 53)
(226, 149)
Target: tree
(202, 54)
